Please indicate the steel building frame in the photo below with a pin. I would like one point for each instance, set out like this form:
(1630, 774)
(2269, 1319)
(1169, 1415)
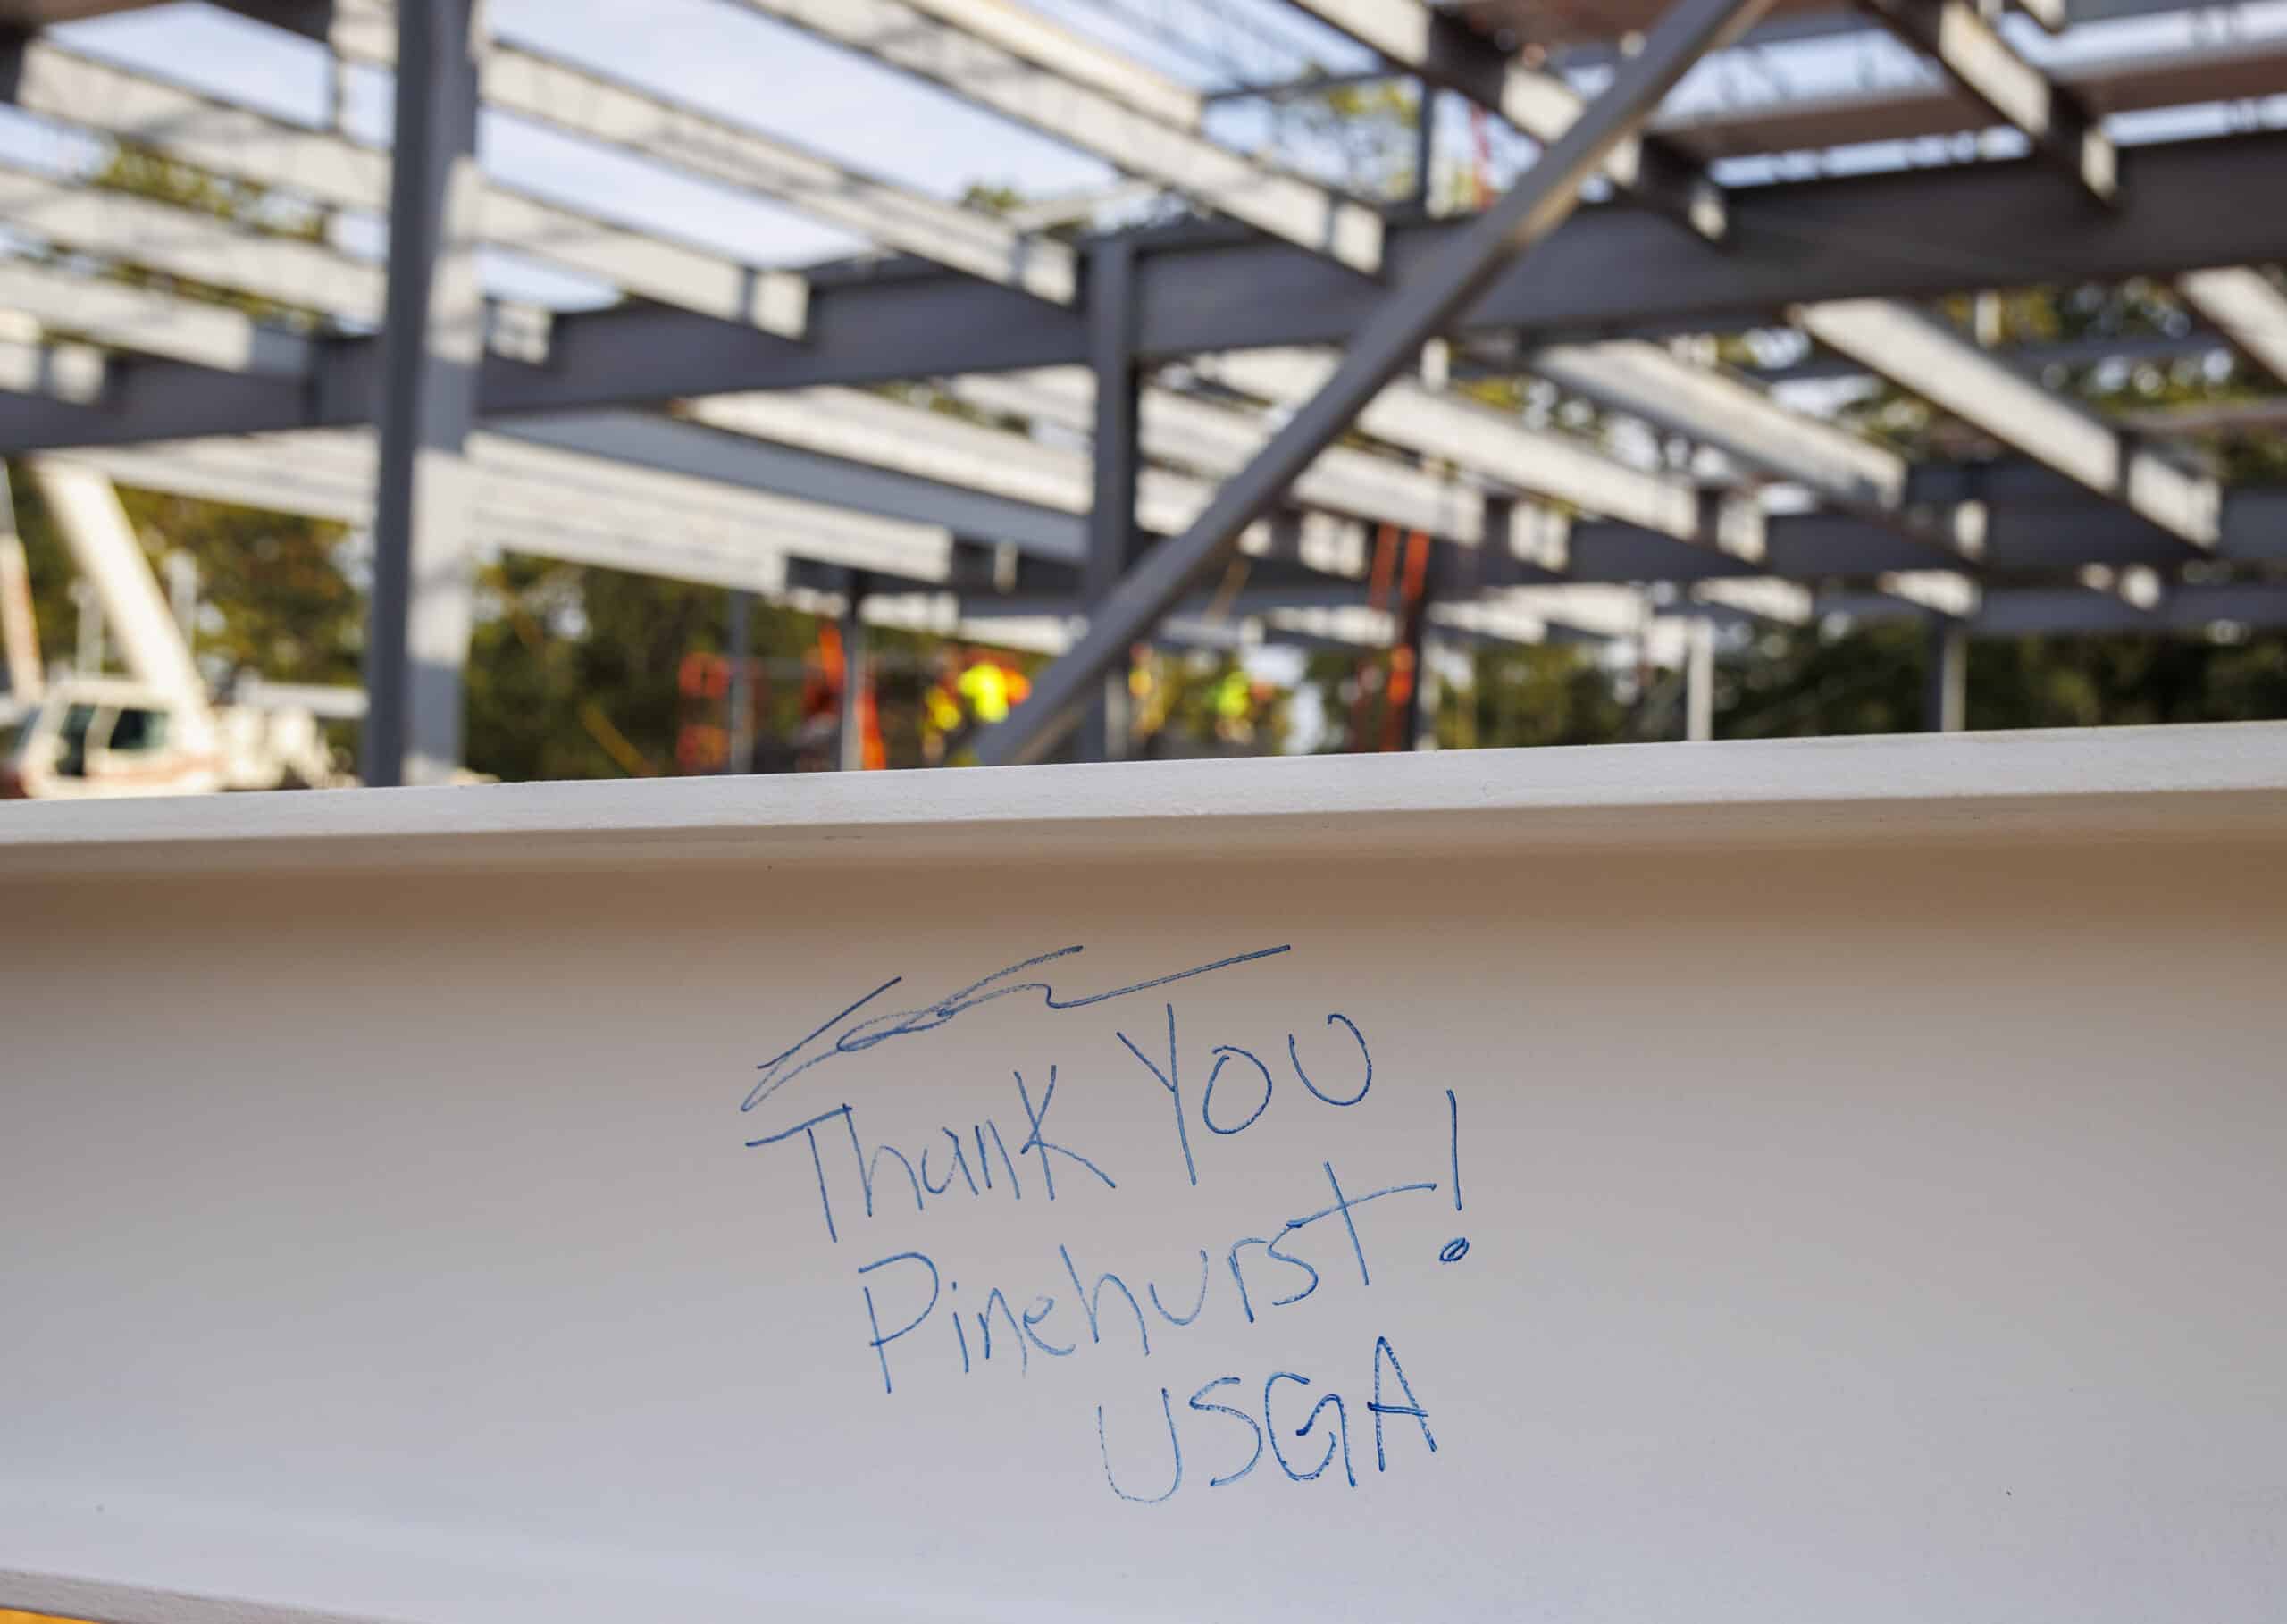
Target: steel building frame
(1185, 384)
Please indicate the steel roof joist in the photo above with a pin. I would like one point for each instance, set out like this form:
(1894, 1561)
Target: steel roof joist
(523, 82)
(123, 316)
(1218, 439)
(1979, 58)
(2247, 307)
(1535, 462)
(1926, 359)
(1046, 90)
(69, 87)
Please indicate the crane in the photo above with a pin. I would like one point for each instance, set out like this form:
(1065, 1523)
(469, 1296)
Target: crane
(155, 731)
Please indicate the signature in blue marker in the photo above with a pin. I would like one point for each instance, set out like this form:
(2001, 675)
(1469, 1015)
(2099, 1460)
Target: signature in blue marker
(789, 1063)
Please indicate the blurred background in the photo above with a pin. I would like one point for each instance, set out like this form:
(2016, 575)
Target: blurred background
(760, 404)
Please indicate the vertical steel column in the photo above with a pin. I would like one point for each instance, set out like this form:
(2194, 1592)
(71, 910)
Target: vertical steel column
(738, 752)
(1104, 732)
(1389, 341)
(850, 737)
(1699, 679)
(1944, 678)
(432, 343)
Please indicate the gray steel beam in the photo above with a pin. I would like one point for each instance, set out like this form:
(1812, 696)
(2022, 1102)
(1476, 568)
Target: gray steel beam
(1699, 679)
(432, 345)
(1918, 233)
(1386, 344)
(1116, 462)
(1945, 677)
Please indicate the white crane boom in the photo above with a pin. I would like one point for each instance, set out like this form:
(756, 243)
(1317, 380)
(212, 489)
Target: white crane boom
(103, 547)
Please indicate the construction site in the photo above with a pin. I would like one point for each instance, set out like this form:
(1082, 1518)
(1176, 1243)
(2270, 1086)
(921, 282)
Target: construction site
(1951, 318)
(1270, 811)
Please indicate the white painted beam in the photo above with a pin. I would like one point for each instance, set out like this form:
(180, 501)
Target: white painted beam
(537, 499)
(1646, 380)
(535, 86)
(1218, 439)
(2248, 308)
(1029, 37)
(1980, 58)
(30, 363)
(69, 87)
(1438, 423)
(121, 316)
(116, 225)
(1084, 117)
(1926, 359)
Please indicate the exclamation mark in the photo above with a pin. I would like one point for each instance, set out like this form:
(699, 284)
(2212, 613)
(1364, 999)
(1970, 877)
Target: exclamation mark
(1456, 1249)
(1454, 1139)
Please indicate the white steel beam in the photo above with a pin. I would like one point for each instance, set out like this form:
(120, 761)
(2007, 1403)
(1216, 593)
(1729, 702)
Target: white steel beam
(2248, 308)
(1540, 463)
(1646, 380)
(880, 432)
(121, 316)
(1926, 359)
(1029, 37)
(116, 225)
(2054, 15)
(1218, 439)
(1978, 57)
(1040, 90)
(1717, 409)
(151, 321)
(645, 263)
(65, 86)
(523, 82)
(31, 364)
(536, 499)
